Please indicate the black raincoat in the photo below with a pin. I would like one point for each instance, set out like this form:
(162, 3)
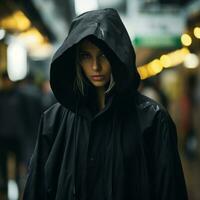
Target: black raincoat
(127, 151)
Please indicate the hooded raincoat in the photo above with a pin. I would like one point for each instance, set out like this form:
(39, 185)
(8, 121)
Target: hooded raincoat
(127, 151)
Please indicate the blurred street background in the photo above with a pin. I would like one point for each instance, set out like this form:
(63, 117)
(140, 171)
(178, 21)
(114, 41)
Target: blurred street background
(166, 38)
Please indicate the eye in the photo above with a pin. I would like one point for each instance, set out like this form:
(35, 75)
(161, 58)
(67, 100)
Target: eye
(84, 55)
(102, 55)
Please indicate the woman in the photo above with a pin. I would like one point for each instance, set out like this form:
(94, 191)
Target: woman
(103, 140)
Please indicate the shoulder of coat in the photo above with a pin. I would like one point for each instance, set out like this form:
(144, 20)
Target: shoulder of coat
(150, 112)
(54, 118)
(147, 104)
(55, 108)
(55, 112)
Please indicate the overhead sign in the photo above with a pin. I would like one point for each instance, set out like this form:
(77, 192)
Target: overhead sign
(161, 41)
(155, 30)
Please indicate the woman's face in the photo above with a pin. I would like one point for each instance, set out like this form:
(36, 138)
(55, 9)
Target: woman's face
(94, 63)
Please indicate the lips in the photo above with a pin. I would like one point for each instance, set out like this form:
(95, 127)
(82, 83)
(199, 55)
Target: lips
(97, 77)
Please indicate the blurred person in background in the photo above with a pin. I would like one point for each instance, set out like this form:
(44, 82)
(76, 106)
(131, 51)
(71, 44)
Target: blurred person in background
(103, 140)
(31, 110)
(31, 98)
(187, 128)
(20, 110)
(12, 131)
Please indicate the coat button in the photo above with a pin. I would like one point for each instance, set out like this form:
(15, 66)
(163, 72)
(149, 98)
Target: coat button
(91, 162)
(74, 191)
(49, 189)
(92, 159)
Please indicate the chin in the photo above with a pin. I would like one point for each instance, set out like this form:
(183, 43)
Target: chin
(98, 84)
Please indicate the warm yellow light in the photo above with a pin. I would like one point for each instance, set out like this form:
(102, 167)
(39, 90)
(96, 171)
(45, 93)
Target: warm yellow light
(191, 61)
(197, 32)
(8, 23)
(23, 22)
(154, 67)
(166, 61)
(186, 40)
(178, 56)
(169, 60)
(38, 46)
(31, 37)
(185, 51)
(143, 72)
(17, 21)
(41, 51)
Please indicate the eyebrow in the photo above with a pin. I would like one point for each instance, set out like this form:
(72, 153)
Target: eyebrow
(83, 51)
(87, 51)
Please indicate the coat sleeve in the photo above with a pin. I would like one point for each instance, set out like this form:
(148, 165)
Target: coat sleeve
(34, 188)
(169, 183)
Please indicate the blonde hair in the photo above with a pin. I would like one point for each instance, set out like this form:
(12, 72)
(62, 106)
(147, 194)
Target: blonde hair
(78, 82)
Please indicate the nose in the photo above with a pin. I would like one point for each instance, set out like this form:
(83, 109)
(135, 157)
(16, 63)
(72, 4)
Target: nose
(95, 65)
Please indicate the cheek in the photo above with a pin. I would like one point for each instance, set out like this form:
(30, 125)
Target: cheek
(108, 70)
(85, 70)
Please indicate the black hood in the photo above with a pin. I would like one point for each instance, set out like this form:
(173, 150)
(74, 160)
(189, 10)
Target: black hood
(110, 34)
